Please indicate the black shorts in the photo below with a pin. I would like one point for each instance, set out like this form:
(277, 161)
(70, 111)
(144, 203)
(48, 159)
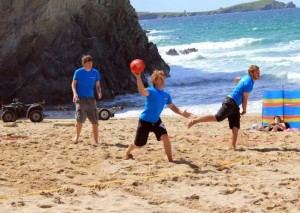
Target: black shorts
(144, 128)
(231, 111)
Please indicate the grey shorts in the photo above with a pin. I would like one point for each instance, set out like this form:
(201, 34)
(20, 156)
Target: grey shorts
(86, 107)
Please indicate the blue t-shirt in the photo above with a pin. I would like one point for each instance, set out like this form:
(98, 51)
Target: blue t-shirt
(245, 85)
(86, 82)
(154, 105)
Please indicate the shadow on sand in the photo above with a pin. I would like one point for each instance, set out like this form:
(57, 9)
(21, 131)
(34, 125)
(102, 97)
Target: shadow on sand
(275, 150)
(196, 168)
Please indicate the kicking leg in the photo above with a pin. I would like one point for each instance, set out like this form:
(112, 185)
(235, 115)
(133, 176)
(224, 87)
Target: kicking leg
(206, 118)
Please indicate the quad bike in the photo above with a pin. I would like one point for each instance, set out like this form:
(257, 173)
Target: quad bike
(17, 110)
(105, 114)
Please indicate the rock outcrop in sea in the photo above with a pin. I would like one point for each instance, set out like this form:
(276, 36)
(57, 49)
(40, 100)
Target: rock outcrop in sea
(42, 42)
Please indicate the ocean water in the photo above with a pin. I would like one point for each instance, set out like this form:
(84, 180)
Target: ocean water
(227, 45)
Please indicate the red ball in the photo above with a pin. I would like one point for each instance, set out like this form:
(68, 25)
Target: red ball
(137, 66)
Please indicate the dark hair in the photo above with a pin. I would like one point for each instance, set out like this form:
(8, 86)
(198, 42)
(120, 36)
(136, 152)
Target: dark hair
(86, 58)
(279, 118)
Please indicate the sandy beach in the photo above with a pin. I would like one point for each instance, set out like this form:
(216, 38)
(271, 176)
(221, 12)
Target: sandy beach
(42, 170)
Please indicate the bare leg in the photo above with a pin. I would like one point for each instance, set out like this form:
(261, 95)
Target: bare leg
(206, 118)
(167, 146)
(235, 132)
(78, 130)
(95, 133)
(129, 149)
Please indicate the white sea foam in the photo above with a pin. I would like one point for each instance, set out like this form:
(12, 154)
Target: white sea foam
(160, 31)
(208, 52)
(253, 107)
(278, 60)
(129, 114)
(208, 46)
(294, 76)
(157, 39)
(215, 56)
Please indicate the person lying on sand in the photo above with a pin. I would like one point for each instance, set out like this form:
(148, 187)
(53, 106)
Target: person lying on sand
(277, 125)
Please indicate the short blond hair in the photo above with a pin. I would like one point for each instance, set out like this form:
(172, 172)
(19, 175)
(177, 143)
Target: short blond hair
(155, 75)
(252, 68)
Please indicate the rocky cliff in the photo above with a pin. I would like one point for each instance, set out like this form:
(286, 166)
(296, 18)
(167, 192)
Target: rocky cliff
(42, 42)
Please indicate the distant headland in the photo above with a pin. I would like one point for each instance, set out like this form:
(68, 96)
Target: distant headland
(245, 7)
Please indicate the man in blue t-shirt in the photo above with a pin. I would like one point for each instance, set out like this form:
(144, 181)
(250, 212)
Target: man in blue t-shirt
(230, 106)
(84, 81)
(149, 121)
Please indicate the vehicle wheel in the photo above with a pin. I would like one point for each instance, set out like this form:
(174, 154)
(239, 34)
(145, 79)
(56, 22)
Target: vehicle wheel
(9, 116)
(104, 114)
(36, 116)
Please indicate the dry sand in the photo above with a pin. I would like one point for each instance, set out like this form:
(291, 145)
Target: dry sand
(43, 171)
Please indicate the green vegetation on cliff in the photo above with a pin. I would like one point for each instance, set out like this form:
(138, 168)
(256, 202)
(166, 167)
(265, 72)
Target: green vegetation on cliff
(256, 5)
(251, 6)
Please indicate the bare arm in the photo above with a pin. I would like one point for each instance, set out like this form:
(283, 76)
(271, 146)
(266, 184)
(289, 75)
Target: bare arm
(245, 102)
(75, 95)
(140, 85)
(179, 111)
(237, 80)
(98, 89)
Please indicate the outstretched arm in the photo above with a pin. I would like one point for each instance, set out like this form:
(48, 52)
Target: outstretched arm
(140, 85)
(237, 80)
(178, 111)
(245, 102)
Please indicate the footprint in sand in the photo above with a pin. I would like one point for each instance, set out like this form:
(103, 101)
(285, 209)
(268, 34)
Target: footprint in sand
(18, 204)
(46, 194)
(58, 200)
(228, 191)
(45, 206)
(193, 197)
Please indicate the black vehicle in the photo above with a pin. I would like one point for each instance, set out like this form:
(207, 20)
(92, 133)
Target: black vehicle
(105, 114)
(17, 110)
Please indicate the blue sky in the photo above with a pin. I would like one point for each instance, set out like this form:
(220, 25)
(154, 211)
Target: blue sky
(188, 5)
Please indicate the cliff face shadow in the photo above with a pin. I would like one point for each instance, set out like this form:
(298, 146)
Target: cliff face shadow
(275, 150)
